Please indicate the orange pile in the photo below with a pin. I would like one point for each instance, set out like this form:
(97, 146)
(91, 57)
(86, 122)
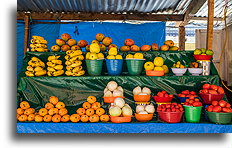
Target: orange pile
(91, 111)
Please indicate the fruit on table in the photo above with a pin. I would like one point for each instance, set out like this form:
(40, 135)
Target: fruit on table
(178, 65)
(195, 65)
(212, 89)
(65, 48)
(135, 56)
(163, 94)
(203, 51)
(125, 48)
(158, 61)
(82, 43)
(113, 51)
(174, 48)
(94, 47)
(74, 62)
(102, 47)
(149, 66)
(154, 46)
(145, 109)
(55, 67)
(95, 41)
(113, 89)
(60, 42)
(141, 91)
(193, 102)
(164, 48)
(65, 118)
(219, 106)
(100, 37)
(145, 48)
(135, 48)
(71, 42)
(129, 42)
(118, 57)
(170, 43)
(187, 93)
(65, 36)
(38, 44)
(165, 68)
(112, 45)
(119, 108)
(172, 107)
(104, 118)
(55, 48)
(107, 41)
(35, 68)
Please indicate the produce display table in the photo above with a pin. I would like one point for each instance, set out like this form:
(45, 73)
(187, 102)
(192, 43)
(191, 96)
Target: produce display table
(73, 91)
(122, 128)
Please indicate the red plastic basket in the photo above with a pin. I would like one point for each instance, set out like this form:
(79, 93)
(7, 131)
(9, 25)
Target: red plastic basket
(162, 99)
(170, 117)
(120, 119)
(202, 57)
(208, 98)
(110, 99)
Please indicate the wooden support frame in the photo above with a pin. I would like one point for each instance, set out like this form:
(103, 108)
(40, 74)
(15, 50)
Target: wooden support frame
(98, 16)
(26, 33)
(209, 38)
(182, 38)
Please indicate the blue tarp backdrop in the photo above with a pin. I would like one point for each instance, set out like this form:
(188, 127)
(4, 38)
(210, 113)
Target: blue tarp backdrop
(142, 34)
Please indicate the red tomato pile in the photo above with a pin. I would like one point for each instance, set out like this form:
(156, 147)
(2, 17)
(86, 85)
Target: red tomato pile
(187, 93)
(219, 106)
(163, 94)
(211, 89)
(193, 102)
(173, 107)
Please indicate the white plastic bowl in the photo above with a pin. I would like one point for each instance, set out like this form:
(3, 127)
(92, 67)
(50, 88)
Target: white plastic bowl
(179, 71)
(195, 71)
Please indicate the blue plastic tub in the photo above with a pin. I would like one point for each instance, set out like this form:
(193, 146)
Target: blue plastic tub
(114, 66)
(182, 99)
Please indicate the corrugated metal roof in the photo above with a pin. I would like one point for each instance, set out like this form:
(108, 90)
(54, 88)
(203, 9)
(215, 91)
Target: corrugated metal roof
(218, 9)
(108, 6)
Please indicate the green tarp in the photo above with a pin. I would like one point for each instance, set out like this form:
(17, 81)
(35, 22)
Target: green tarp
(74, 90)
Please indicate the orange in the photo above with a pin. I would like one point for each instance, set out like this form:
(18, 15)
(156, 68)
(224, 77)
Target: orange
(53, 100)
(49, 105)
(104, 118)
(80, 111)
(31, 117)
(24, 105)
(43, 112)
(75, 118)
(84, 118)
(86, 105)
(53, 111)
(38, 118)
(65, 118)
(96, 105)
(29, 111)
(20, 111)
(22, 118)
(94, 118)
(60, 105)
(56, 118)
(47, 118)
(63, 111)
(100, 111)
(89, 112)
(91, 99)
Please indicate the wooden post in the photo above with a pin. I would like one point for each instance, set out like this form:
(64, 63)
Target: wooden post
(209, 39)
(181, 37)
(26, 33)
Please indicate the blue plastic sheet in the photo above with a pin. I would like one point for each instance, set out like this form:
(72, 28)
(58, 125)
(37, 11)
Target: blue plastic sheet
(142, 34)
(122, 128)
(20, 44)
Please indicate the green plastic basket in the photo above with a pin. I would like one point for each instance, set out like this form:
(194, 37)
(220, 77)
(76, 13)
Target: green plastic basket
(219, 118)
(135, 66)
(192, 114)
(94, 67)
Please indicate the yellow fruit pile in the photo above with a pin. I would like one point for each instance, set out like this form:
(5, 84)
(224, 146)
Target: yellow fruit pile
(55, 67)
(91, 111)
(135, 56)
(25, 112)
(178, 65)
(156, 65)
(169, 45)
(113, 54)
(73, 63)
(35, 68)
(38, 44)
(94, 53)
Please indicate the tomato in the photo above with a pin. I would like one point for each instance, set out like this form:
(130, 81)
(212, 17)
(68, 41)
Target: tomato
(163, 110)
(168, 110)
(212, 92)
(217, 108)
(182, 95)
(192, 93)
(168, 105)
(163, 92)
(228, 105)
(195, 104)
(173, 110)
(166, 95)
(206, 86)
(181, 109)
(214, 103)
(174, 103)
(197, 100)
(177, 110)
(222, 103)
(220, 90)
(186, 92)
(191, 97)
(210, 108)
(204, 91)
(226, 110)
(171, 96)
(159, 94)
(213, 87)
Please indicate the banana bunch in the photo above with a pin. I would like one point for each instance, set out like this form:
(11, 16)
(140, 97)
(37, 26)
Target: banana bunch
(38, 44)
(55, 67)
(35, 68)
(73, 63)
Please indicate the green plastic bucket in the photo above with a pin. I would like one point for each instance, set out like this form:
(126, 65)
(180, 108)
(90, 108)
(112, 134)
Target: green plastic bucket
(192, 114)
(135, 66)
(219, 118)
(94, 67)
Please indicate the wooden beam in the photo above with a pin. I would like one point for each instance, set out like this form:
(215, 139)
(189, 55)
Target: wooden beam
(98, 16)
(209, 39)
(26, 33)
(181, 38)
(205, 18)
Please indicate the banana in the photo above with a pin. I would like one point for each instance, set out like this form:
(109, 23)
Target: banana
(38, 69)
(68, 63)
(76, 63)
(80, 73)
(75, 53)
(51, 69)
(30, 68)
(35, 59)
(69, 68)
(69, 73)
(40, 49)
(58, 73)
(69, 52)
(56, 61)
(51, 64)
(32, 41)
(40, 73)
(81, 57)
(32, 46)
(67, 57)
(44, 41)
(58, 67)
(77, 69)
(49, 73)
(42, 64)
(53, 58)
(29, 74)
(33, 49)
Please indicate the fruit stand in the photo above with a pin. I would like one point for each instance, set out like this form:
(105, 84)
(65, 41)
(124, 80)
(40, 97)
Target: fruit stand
(55, 86)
